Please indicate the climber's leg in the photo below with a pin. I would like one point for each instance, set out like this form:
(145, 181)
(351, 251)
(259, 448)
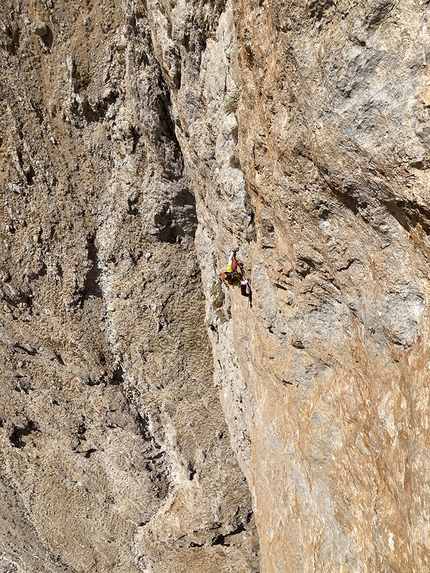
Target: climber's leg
(243, 285)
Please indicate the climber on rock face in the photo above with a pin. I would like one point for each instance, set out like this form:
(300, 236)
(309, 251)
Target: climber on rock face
(233, 275)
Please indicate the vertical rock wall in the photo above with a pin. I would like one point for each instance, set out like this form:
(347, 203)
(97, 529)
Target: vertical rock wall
(115, 455)
(313, 153)
(333, 122)
(138, 143)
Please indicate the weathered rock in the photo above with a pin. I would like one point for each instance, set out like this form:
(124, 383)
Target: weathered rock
(133, 155)
(115, 454)
(326, 407)
(40, 29)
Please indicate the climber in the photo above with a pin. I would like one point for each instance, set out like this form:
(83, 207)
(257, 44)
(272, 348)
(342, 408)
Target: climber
(233, 275)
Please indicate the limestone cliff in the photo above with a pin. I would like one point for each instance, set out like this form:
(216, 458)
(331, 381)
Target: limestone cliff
(151, 419)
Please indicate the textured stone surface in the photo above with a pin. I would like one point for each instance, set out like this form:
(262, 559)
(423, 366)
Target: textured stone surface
(115, 453)
(138, 143)
(333, 146)
(328, 406)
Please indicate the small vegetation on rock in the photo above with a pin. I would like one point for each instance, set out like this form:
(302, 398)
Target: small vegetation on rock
(231, 101)
(217, 296)
(218, 299)
(82, 79)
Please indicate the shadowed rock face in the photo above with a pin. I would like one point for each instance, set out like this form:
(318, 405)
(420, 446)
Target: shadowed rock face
(115, 454)
(137, 144)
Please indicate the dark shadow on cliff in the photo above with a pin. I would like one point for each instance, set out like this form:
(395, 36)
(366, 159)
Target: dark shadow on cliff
(92, 286)
(177, 219)
(19, 433)
(409, 215)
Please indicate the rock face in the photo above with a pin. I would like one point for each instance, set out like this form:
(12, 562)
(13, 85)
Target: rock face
(333, 141)
(137, 144)
(115, 452)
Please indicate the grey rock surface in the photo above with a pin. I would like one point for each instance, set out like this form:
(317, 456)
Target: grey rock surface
(115, 452)
(40, 29)
(152, 420)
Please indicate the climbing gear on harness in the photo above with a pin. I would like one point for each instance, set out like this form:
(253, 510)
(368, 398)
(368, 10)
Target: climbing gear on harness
(233, 275)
